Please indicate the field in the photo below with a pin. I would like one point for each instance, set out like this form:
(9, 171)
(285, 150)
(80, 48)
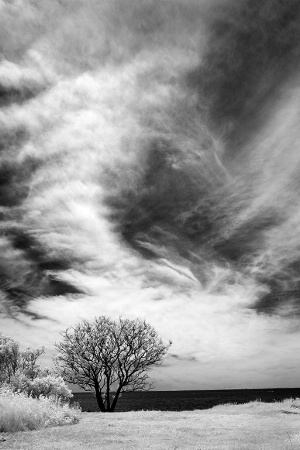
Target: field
(255, 426)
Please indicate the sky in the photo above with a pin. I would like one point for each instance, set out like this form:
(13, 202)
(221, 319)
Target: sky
(149, 161)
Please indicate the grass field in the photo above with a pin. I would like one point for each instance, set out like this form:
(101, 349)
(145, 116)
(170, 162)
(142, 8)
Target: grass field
(263, 426)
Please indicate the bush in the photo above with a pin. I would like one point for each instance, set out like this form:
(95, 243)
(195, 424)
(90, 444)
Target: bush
(18, 412)
(49, 385)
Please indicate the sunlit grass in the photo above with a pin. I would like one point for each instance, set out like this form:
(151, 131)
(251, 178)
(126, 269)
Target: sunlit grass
(250, 426)
(285, 404)
(18, 412)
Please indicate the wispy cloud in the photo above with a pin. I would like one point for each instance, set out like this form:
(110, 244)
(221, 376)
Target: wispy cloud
(149, 167)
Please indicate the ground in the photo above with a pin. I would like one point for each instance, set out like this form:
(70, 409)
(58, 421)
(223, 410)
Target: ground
(255, 426)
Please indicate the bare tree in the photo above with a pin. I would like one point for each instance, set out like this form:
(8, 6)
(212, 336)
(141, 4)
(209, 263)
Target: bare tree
(109, 357)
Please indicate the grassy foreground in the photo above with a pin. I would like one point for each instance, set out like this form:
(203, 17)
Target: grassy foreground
(18, 412)
(263, 426)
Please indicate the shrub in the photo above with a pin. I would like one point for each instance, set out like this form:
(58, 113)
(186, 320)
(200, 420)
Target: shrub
(49, 385)
(18, 412)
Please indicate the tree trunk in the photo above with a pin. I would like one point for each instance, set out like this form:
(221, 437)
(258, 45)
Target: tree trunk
(113, 405)
(100, 401)
(108, 393)
(99, 398)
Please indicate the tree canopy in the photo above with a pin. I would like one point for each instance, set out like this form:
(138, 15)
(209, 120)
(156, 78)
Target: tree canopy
(13, 360)
(109, 357)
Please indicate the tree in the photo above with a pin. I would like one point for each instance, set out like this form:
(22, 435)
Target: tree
(28, 362)
(107, 356)
(9, 358)
(13, 360)
(20, 371)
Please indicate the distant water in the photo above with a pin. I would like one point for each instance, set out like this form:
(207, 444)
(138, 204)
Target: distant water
(186, 400)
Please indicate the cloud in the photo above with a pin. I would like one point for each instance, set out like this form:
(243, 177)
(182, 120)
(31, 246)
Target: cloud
(149, 165)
